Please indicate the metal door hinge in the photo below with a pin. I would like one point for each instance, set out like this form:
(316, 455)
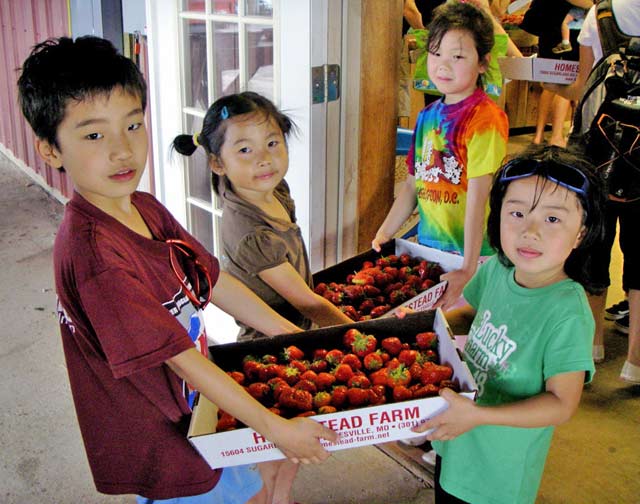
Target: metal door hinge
(325, 83)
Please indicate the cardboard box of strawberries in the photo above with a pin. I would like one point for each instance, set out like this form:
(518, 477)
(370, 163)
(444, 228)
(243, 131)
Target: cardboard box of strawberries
(371, 381)
(372, 285)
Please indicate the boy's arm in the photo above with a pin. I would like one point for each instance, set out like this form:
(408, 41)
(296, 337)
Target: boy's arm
(286, 281)
(553, 407)
(298, 439)
(401, 210)
(477, 195)
(233, 297)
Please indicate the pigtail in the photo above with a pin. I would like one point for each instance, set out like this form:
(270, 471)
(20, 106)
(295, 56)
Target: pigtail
(185, 144)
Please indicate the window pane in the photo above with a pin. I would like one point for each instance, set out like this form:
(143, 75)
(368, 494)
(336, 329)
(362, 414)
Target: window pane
(201, 226)
(199, 175)
(195, 64)
(193, 5)
(259, 8)
(225, 6)
(260, 59)
(225, 43)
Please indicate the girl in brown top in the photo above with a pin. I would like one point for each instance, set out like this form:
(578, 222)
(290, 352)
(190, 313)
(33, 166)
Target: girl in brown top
(245, 137)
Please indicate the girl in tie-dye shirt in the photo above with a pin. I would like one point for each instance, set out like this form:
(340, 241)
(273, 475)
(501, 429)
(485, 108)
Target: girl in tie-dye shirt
(458, 143)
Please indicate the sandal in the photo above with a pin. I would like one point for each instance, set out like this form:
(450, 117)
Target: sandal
(630, 373)
(598, 353)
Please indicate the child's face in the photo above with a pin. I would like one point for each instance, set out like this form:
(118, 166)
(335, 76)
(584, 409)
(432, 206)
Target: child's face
(254, 155)
(103, 147)
(454, 68)
(539, 240)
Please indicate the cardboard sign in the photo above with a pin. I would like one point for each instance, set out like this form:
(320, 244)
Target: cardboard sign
(539, 69)
(356, 427)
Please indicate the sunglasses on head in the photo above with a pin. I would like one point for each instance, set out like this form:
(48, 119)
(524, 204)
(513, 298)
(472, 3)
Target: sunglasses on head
(192, 292)
(564, 175)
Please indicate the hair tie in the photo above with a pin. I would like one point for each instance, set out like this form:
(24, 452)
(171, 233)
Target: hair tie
(195, 139)
(224, 113)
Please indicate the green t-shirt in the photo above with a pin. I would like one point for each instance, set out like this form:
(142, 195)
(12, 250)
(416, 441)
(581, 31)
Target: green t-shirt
(519, 338)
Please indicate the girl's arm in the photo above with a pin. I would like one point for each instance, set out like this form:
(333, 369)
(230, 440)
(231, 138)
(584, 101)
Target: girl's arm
(401, 210)
(474, 217)
(553, 407)
(287, 282)
(298, 439)
(233, 297)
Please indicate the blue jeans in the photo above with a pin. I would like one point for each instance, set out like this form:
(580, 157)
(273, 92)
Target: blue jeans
(236, 486)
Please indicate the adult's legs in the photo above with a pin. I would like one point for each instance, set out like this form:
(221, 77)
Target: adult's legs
(598, 304)
(544, 107)
(559, 109)
(633, 354)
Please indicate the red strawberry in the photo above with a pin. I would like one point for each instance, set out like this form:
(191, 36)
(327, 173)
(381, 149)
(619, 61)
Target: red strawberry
(378, 394)
(321, 399)
(371, 291)
(393, 259)
(426, 390)
(278, 388)
(307, 385)
(359, 381)
(310, 375)
(364, 344)
(301, 366)
(380, 310)
(320, 289)
(415, 370)
(426, 340)
(367, 265)
(334, 297)
(319, 354)
(325, 380)
(350, 336)
(343, 372)
(398, 376)
(392, 287)
(334, 357)
(407, 357)
(363, 278)
(426, 284)
(426, 356)
(397, 297)
(382, 262)
(353, 293)
(405, 259)
(268, 371)
(379, 377)
(366, 306)
(290, 374)
(349, 311)
(251, 367)
(435, 373)
(296, 399)
(292, 352)
(322, 410)
(373, 361)
(392, 273)
(392, 345)
(319, 365)
(358, 396)
(401, 393)
(237, 376)
(225, 422)
(353, 361)
(259, 391)
(449, 384)
(339, 396)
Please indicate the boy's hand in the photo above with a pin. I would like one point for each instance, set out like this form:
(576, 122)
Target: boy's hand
(299, 440)
(457, 419)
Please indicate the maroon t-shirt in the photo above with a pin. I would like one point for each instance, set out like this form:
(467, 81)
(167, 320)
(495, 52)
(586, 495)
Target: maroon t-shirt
(122, 314)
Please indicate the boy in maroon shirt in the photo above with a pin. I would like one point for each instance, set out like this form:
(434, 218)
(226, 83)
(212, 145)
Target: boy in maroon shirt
(131, 285)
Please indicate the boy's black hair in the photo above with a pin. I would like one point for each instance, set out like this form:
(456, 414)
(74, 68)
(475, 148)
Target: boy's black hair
(461, 16)
(59, 70)
(543, 159)
(214, 125)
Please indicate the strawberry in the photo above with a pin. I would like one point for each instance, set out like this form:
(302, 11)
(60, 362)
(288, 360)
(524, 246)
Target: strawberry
(307, 385)
(290, 374)
(378, 394)
(366, 306)
(259, 391)
(321, 399)
(449, 384)
(358, 396)
(405, 259)
(379, 377)
(301, 400)
(319, 365)
(278, 388)
(325, 380)
(426, 284)
(392, 345)
(397, 297)
(322, 410)
(334, 297)
(426, 356)
(305, 414)
(354, 293)
(225, 422)
(398, 376)
(401, 393)
(310, 375)
(320, 289)
(350, 336)
(380, 310)
(353, 361)
(407, 357)
(382, 262)
(371, 290)
(237, 376)
(319, 354)
(339, 396)
(373, 361)
(251, 367)
(349, 311)
(363, 278)
(343, 372)
(427, 339)
(392, 273)
(392, 287)
(393, 260)
(435, 373)
(426, 390)
(268, 371)
(415, 370)
(359, 381)
(423, 270)
(334, 357)
(381, 279)
(292, 352)
(367, 265)
(301, 366)
(364, 344)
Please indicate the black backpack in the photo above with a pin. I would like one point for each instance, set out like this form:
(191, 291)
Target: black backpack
(607, 119)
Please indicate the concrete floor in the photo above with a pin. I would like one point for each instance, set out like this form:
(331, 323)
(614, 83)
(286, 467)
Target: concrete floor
(593, 459)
